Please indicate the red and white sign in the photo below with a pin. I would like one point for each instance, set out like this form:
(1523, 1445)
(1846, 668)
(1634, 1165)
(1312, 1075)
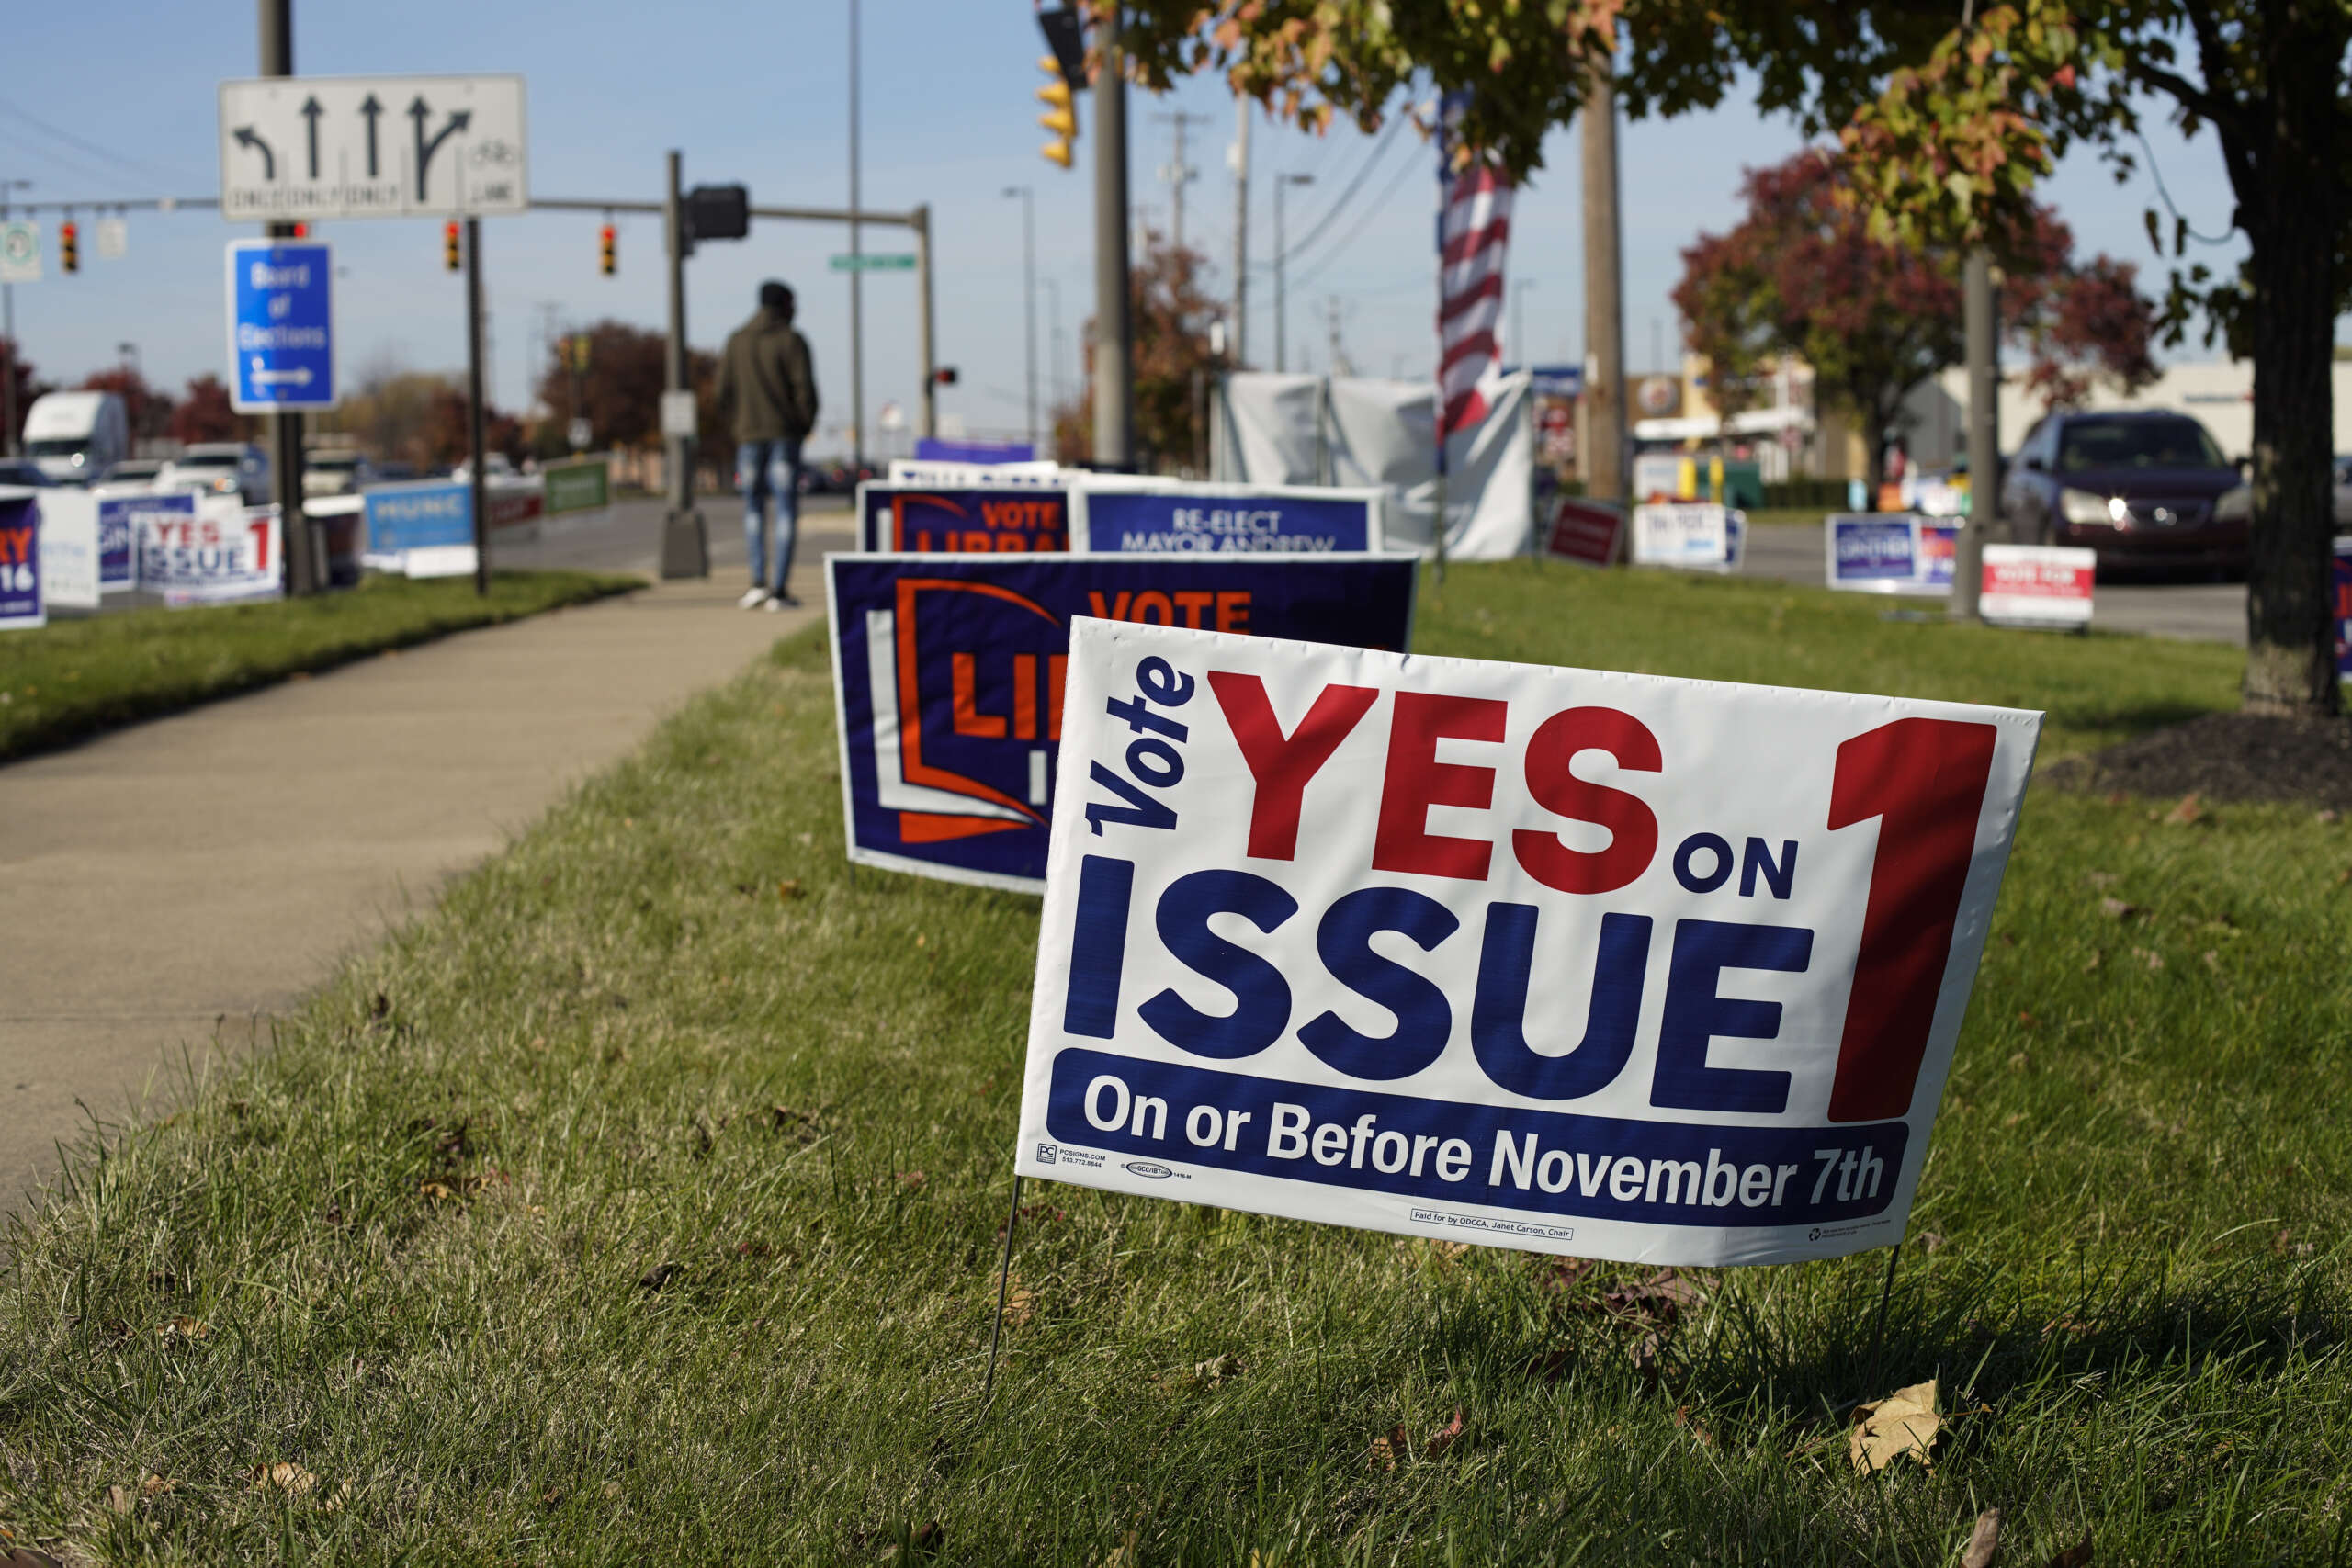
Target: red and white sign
(1585, 531)
(1616, 966)
(224, 553)
(2038, 585)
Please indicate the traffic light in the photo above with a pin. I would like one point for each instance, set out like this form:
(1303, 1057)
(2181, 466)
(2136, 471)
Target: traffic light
(718, 212)
(69, 245)
(453, 255)
(607, 261)
(301, 231)
(1060, 118)
(944, 375)
(577, 352)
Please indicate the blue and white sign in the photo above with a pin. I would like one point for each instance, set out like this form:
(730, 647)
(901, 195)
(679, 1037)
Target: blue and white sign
(947, 677)
(1882, 553)
(123, 521)
(1209, 519)
(1690, 536)
(222, 553)
(432, 515)
(21, 606)
(281, 326)
(1616, 966)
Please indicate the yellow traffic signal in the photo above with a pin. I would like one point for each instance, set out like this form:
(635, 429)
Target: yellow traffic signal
(452, 253)
(1060, 118)
(607, 261)
(578, 344)
(69, 245)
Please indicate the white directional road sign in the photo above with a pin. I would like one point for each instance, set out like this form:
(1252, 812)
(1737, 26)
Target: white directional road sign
(19, 252)
(304, 147)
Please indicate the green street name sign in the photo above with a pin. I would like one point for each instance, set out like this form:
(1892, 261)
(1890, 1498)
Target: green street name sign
(874, 263)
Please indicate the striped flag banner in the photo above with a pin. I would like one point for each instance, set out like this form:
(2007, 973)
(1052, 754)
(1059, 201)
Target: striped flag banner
(1473, 236)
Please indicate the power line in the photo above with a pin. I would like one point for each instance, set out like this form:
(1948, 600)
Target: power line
(1370, 213)
(1379, 148)
(144, 169)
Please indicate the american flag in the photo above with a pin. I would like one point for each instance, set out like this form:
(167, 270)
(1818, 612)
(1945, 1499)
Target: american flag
(1473, 233)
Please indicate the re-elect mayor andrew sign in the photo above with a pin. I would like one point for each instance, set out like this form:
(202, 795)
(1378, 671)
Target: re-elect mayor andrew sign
(1647, 969)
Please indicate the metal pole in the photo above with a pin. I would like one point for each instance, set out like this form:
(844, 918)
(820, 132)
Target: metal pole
(923, 322)
(684, 551)
(1029, 296)
(1053, 343)
(286, 429)
(1240, 230)
(477, 422)
(9, 331)
(1113, 343)
(856, 277)
(1984, 433)
(1604, 329)
(1281, 360)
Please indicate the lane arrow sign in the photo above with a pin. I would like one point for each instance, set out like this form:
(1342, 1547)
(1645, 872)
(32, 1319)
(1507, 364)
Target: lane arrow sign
(370, 108)
(245, 138)
(298, 377)
(310, 112)
(420, 113)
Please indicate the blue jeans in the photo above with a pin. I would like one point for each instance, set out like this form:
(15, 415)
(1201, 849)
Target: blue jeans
(762, 468)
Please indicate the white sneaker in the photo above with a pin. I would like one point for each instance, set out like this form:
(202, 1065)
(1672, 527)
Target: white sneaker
(781, 603)
(753, 600)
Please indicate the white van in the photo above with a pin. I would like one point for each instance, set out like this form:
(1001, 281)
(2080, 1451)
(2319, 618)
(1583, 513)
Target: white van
(76, 436)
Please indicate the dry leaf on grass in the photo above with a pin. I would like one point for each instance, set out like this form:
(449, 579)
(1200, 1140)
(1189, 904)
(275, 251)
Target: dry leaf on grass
(154, 1486)
(912, 1180)
(183, 1328)
(433, 1191)
(2117, 909)
(26, 1557)
(1689, 1423)
(1386, 1449)
(788, 890)
(290, 1479)
(1019, 1307)
(1903, 1423)
(1984, 1542)
(1216, 1369)
(660, 1276)
(2185, 813)
(2076, 1556)
(1444, 1438)
(1556, 1275)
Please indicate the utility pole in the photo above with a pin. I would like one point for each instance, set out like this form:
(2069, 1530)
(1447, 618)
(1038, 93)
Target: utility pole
(1054, 353)
(476, 424)
(1179, 173)
(686, 550)
(286, 429)
(1339, 363)
(1603, 449)
(1114, 445)
(1281, 266)
(1981, 325)
(1241, 161)
(856, 278)
(1029, 296)
(8, 331)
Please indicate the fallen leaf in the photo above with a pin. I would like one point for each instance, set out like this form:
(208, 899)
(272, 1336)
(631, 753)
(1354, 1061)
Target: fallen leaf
(2328, 816)
(2093, 961)
(183, 1329)
(1683, 1418)
(1984, 1542)
(1444, 1437)
(1124, 1554)
(290, 1479)
(434, 1192)
(2149, 956)
(1932, 1241)
(119, 1499)
(2013, 1118)
(154, 1486)
(25, 1556)
(1385, 1449)
(2074, 1556)
(788, 890)
(1019, 1307)
(1905, 1422)
(911, 1180)
(921, 940)
(2028, 1020)
(659, 1277)
(2213, 959)
(1559, 1274)
(2117, 909)
(2019, 1061)
(1447, 1251)
(2187, 811)
(1659, 1299)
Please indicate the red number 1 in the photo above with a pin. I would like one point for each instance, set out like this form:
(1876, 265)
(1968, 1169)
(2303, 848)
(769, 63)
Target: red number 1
(259, 529)
(1924, 778)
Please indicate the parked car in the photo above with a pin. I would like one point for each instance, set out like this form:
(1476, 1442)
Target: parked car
(76, 436)
(337, 472)
(394, 472)
(223, 468)
(2140, 488)
(24, 471)
(133, 471)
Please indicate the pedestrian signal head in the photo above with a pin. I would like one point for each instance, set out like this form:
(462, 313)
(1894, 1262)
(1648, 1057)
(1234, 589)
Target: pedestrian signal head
(1059, 116)
(607, 261)
(452, 255)
(69, 245)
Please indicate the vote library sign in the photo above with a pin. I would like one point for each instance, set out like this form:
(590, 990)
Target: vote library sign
(1637, 968)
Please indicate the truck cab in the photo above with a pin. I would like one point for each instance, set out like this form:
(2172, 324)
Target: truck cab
(76, 436)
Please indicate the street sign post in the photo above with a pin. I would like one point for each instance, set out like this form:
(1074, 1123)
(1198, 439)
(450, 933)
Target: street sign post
(869, 263)
(281, 326)
(19, 252)
(321, 147)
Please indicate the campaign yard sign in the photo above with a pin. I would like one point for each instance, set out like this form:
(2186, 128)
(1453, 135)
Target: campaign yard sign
(1654, 970)
(1890, 553)
(963, 519)
(69, 550)
(21, 607)
(1585, 531)
(1689, 535)
(948, 675)
(1213, 519)
(2340, 595)
(432, 514)
(2038, 585)
(120, 518)
(220, 553)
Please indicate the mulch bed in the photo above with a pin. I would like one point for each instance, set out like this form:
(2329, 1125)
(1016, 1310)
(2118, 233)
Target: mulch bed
(2225, 757)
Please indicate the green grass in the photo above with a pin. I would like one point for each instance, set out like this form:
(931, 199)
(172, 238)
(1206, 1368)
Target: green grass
(642, 1202)
(73, 678)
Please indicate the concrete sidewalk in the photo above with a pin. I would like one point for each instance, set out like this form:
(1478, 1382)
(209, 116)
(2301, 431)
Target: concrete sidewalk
(200, 871)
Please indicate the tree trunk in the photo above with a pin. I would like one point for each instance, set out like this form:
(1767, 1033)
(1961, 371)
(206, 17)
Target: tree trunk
(2290, 225)
(1874, 428)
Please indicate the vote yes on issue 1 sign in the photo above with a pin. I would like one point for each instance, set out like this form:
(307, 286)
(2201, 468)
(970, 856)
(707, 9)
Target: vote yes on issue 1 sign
(1628, 967)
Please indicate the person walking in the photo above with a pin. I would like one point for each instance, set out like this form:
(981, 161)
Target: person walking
(767, 387)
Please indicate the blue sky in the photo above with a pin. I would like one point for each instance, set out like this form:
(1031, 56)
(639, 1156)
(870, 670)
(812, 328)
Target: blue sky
(759, 94)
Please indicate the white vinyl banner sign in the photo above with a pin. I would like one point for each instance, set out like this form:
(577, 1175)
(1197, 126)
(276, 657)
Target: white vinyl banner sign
(1692, 535)
(222, 553)
(1618, 965)
(69, 548)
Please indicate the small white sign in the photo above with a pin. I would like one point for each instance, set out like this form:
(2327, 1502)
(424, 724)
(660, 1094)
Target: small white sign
(678, 414)
(113, 238)
(1691, 536)
(2038, 585)
(69, 548)
(578, 434)
(20, 251)
(306, 147)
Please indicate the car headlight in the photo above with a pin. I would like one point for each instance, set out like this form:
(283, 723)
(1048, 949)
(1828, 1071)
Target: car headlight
(2081, 506)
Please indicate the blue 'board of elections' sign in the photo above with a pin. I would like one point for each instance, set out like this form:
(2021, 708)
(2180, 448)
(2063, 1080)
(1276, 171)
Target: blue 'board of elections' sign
(1220, 522)
(419, 516)
(948, 677)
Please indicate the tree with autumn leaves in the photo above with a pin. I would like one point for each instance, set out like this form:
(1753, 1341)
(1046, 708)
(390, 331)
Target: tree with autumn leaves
(1948, 121)
(1801, 275)
(1170, 316)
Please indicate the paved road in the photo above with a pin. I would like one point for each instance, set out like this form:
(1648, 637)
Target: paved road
(172, 884)
(2196, 612)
